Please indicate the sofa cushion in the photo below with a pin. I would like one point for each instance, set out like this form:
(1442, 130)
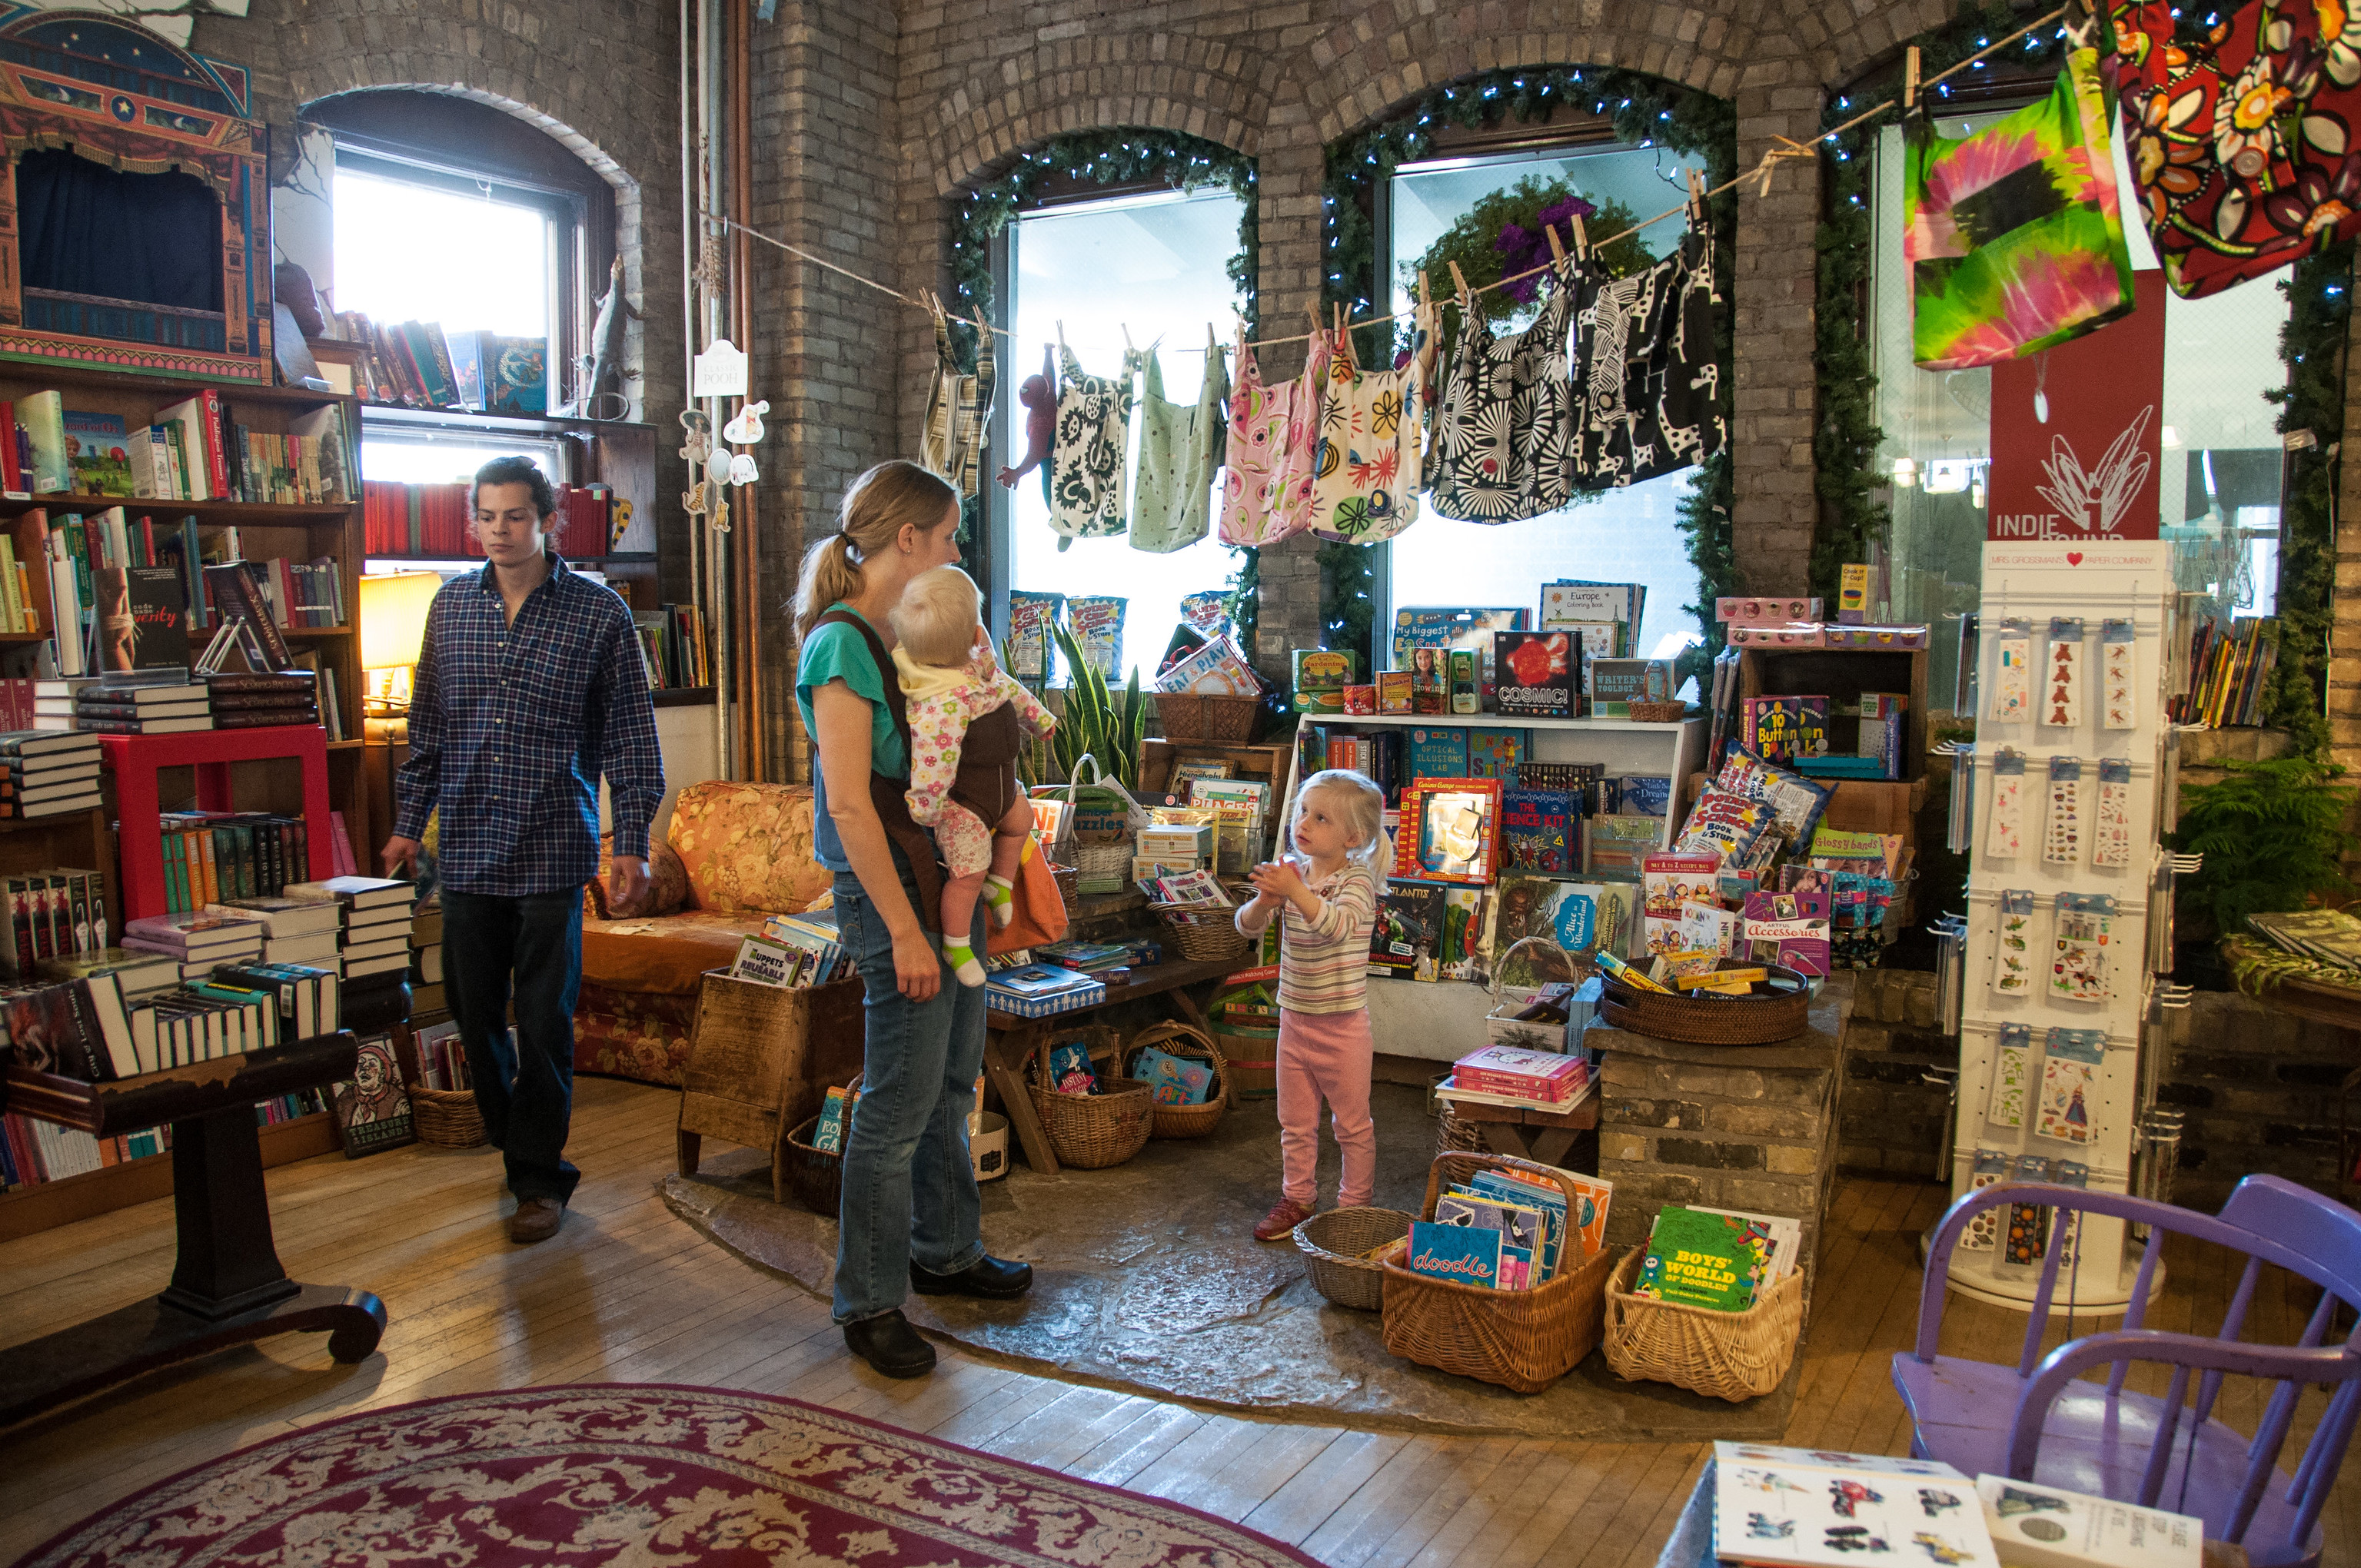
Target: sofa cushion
(748, 847)
(667, 891)
(662, 954)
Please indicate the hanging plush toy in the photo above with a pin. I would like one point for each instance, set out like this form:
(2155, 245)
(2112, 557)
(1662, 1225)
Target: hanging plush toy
(1039, 396)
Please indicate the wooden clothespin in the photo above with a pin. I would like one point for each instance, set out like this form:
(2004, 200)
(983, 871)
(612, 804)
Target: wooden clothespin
(1459, 281)
(1910, 79)
(1557, 250)
(1319, 327)
(1763, 186)
(1696, 197)
(1423, 302)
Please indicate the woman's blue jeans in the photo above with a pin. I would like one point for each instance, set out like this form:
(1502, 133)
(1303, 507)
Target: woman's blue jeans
(909, 1190)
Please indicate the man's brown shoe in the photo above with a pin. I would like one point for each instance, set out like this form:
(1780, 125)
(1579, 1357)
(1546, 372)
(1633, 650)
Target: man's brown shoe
(535, 1219)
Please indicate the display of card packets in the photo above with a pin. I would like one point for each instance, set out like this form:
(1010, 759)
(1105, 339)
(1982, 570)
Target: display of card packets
(1544, 1076)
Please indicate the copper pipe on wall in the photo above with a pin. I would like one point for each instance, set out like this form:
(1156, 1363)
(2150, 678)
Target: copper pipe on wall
(749, 629)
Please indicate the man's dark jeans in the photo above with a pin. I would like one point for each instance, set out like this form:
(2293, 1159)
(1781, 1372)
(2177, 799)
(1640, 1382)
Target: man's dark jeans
(531, 947)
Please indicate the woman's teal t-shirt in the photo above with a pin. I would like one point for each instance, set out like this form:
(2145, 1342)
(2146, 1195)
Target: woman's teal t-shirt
(839, 653)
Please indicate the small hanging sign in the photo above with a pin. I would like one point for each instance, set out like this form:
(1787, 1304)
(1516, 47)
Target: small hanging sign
(721, 371)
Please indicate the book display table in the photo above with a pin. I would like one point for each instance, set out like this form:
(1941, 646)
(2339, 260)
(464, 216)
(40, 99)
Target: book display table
(229, 1286)
(1545, 1137)
(1009, 1041)
(135, 760)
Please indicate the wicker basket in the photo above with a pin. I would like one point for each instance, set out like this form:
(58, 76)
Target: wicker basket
(1070, 883)
(448, 1118)
(1183, 1040)
(1250, 1059)
(1659, 712)
(1204, 934)
(1188, 717)
(1453, 1136)
(817, 1174)
(1092, 1132)
(1104, 867)
(1521, 1339)
(1729, 1355)
(1331, 1245)
(1712, 1020)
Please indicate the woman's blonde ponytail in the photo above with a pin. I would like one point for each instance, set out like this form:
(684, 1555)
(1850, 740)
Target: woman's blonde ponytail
(875, 508)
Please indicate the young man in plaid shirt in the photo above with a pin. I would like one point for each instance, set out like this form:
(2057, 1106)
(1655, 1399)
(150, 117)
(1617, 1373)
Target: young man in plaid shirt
(530, 687)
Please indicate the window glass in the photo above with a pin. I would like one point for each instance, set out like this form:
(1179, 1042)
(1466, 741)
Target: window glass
(1155, 267)
(419, 252)
(1629, 536)
(2220, 497)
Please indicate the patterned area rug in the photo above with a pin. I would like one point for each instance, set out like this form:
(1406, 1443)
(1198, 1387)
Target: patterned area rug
(599, 1475)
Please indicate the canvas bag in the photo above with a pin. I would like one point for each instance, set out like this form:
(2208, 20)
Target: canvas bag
(1366, 478)
(1500, 442)
(1041, 915)
(2240, 148)
(2013, 235)
(1087, 476)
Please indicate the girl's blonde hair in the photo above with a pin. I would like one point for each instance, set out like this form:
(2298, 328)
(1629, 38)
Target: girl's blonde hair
(1361, 805)
(876, 506)
(936, 617)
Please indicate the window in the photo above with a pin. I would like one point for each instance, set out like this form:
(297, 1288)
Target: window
(1627, 535)
(1154, 266)
(2220, 496)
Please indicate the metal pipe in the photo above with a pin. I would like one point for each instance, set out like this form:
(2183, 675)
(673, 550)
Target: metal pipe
(741, 298)
(715, 580)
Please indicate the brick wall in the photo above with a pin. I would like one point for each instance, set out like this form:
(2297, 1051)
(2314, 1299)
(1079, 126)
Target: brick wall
(597, 76)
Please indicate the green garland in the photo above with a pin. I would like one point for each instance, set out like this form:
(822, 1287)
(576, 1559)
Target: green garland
(2311, 344)
(1846, 437)
(1131, 157)
(1644, 110)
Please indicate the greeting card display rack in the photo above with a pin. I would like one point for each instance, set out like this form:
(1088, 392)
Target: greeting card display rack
(2070, 666)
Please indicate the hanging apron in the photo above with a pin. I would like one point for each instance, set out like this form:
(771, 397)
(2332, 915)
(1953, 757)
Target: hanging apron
(2013, 235)
(1502, 438)
(1367, 475)
(1086, 480)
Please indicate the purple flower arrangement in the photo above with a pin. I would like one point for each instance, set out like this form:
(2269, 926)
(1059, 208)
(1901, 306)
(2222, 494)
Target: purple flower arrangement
(1522, 250)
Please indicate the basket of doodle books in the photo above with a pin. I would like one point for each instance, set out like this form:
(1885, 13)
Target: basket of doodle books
(1456, 1298)
(1724, 1340)
(815, 1153)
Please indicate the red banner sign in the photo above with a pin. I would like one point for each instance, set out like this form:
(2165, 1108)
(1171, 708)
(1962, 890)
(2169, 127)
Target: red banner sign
(2076, 433)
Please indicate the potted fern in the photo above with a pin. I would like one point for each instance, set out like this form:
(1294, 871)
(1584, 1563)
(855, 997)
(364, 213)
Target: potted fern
(2273, 837)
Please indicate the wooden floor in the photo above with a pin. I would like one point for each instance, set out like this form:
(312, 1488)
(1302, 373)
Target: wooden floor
(629, 1293)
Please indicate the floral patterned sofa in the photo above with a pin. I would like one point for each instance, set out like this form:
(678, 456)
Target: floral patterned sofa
(732, 854)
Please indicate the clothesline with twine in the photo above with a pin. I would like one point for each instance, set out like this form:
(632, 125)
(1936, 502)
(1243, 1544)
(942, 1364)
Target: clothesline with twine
(1760, 173)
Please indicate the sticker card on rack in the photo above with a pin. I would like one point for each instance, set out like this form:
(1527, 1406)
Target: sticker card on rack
(2111, 823)
(2014, 965)
(2011, 697)
(2070, 1084)
(2061, 839)
(2004, 840)
(2118, 675)
(2062, 673)
(2011, 1076)
(2079, 951)
(1991, 1167)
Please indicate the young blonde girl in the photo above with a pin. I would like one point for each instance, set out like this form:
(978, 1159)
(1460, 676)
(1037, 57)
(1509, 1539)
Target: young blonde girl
(1325, 895)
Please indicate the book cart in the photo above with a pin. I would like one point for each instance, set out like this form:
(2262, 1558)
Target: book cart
(229, 1286)
(2064, 875)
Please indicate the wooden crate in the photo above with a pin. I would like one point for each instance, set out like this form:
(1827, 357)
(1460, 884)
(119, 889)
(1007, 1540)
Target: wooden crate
(1842, 674)
(761, 1059)
(1271, 762)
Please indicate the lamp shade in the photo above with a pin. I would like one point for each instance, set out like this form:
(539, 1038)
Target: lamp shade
(394, 617)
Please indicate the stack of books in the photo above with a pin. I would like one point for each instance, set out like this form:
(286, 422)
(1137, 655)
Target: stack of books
(140, 976)
(245, 700)
(2331, 936)
(1511, 1075)
(376, 922)
(147, 707)
(295, 930)
(197, 941)
(1088, 957)
(442, 1057)
(47, 773)
(819, 955)
(57, 913)
(1039, 991)
(307, 997)
(426, 994)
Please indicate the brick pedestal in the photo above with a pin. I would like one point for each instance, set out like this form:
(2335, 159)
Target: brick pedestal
(1751, 1127)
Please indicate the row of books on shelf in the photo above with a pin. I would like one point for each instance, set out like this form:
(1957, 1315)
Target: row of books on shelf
(418, 364)
(168, 702)
(433, 519)
(671, 639)
(216, 857)
(32, 1152)
(2228, 667)
(794, 950)
(442, 1055)
(124, 1012)
(193, 452)
(1391, 758)
(358, 925)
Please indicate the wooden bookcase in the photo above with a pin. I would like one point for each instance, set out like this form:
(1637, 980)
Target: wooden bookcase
(265, 531)
(603, 452)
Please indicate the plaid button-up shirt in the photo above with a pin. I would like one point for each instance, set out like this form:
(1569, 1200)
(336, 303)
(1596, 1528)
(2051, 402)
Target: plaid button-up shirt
(510, 726)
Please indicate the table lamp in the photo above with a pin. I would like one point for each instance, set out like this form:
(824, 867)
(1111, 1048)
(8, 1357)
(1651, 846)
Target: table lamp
(393, 628)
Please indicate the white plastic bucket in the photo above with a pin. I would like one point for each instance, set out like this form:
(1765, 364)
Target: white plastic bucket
(987, 1144)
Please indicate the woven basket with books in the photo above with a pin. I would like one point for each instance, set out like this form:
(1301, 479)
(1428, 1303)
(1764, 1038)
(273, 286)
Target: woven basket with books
(447, 1118)
(1092, 1132)
(1336, 1247)
(1186, 716)
(1187, 1041)
(1521, 1339)
(818, 1174)
(1204, 933)
(1727, 1356)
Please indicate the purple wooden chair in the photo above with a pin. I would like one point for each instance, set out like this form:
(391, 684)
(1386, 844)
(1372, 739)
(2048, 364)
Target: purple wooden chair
(2035, 1421)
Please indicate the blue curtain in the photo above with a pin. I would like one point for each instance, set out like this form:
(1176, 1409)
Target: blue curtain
(88, 229)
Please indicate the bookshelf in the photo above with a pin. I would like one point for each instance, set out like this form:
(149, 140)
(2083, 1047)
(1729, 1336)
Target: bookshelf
(297, 533)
